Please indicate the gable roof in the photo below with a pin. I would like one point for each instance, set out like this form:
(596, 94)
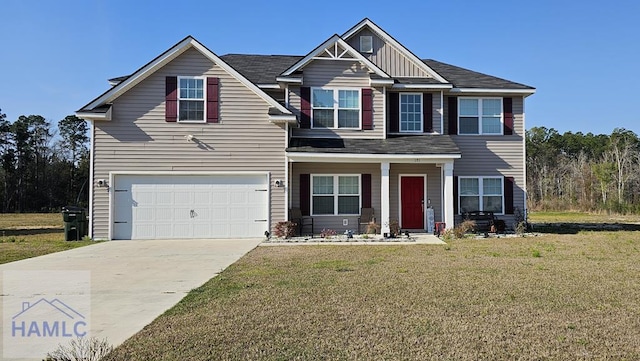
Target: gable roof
(263, 69)
(366, 22)
(164, 58)
(334, 40)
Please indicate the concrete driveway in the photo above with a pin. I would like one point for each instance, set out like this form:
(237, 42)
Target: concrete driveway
(132, 282)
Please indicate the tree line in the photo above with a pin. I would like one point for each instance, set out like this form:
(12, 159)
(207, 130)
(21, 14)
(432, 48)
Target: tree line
(584, 172)
(44, 167)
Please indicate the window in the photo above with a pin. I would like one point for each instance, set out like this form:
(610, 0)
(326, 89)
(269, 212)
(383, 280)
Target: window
(335, 194)
(410, 112)
(335, 108)
(366, 44)
(481, 194)
(480, 116)
(191, 99)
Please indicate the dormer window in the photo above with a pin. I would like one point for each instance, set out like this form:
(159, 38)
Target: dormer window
(366, 44)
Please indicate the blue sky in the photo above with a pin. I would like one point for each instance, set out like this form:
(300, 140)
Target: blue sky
(582, 56)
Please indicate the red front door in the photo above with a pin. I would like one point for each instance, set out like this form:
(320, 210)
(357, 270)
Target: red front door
(411, 202)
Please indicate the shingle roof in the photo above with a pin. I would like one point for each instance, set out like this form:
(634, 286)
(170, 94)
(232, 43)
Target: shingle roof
(465, 78)
(261, 69)
(403, 80)
(408, 144)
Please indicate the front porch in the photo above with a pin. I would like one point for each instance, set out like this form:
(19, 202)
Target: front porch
(410, 185)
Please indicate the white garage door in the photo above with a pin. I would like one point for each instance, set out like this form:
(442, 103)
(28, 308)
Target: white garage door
(189, 206)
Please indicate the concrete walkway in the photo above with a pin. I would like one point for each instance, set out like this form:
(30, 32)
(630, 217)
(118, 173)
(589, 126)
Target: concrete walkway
(133, 282)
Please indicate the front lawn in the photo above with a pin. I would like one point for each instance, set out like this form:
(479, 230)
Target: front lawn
(552, 297)
(26, 235)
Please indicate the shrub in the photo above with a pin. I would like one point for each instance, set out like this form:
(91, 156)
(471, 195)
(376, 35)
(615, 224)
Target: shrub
(520, 224)
(463, 228)
(285, 229)
(327, 233)
(81, 349)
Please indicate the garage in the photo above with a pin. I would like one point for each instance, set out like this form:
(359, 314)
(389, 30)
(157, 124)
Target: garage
(189, 206)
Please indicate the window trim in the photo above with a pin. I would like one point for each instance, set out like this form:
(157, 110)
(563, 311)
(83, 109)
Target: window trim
(400, 113)
(480, 100)
(370, 38)
(204, 100)
(481, 192)
(336, 107)
(335, 194)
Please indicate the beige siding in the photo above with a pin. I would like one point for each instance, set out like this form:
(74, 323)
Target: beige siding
(339, 74)
(434, 187)
(335, 222)
(496, 156)
(138, 138)
(437, 113)
(388, 58)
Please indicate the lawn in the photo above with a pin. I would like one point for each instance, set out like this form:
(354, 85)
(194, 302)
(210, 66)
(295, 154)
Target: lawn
(580, 217)
(551, 297)
(26, 235)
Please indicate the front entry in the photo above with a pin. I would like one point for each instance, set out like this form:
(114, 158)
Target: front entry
(412, 202)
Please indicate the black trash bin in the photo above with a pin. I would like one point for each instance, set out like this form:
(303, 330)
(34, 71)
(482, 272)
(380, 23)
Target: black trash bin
(75, 223)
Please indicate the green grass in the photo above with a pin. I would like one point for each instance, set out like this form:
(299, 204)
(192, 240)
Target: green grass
(552, 297)
(26, 235)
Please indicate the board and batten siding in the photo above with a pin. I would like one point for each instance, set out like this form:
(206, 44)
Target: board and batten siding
(496, 155)
(139, 139)
(391, 60)
(339, 74)
(335, 222)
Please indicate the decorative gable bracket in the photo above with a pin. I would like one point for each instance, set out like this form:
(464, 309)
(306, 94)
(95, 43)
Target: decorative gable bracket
(334, 48)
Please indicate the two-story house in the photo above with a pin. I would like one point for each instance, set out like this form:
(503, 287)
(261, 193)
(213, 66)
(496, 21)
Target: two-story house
(196, 145)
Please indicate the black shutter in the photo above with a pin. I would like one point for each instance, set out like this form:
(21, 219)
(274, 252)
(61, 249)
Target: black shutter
(393, 112)
(507, 110)
(305, 107)
(305, 194)
(508, 195)
(453, 115)
(366, 190)
(455, 196)
(171, 99)
(427, 112)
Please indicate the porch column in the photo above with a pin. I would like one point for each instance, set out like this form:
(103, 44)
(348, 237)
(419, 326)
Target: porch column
(384, 197)
(447, 172)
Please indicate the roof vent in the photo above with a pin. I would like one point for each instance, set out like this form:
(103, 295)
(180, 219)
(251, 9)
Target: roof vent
(366, 44)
